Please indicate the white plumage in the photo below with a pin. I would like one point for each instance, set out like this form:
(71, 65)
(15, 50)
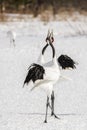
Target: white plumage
(51, 76)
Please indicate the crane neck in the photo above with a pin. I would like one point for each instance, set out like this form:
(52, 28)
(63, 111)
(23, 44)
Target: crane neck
(54, 55)
(53, 49)
(41, 57)
(44, 48)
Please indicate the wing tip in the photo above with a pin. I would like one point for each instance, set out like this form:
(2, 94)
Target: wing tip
(66, 62)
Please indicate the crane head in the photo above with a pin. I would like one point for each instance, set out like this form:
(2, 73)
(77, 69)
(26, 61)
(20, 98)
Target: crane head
(50, 38)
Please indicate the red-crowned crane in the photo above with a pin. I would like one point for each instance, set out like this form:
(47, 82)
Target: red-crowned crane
(64, 61)
(45, 76)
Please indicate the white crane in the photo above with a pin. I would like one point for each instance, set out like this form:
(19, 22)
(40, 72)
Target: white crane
(12, 36)
(44, 76)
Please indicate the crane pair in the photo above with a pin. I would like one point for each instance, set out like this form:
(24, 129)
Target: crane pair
(45, 75)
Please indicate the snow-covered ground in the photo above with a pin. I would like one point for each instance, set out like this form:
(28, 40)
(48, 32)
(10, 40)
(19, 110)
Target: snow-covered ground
(21, 109)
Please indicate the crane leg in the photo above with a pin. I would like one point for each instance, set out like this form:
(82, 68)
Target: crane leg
(52, 103)
(47, 104)
(53, 112)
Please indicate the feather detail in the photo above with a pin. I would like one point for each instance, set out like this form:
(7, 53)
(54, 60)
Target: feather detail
(35, 72)
(66, 62)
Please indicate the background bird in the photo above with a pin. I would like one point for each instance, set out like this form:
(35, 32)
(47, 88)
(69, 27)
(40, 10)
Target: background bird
(12, 36)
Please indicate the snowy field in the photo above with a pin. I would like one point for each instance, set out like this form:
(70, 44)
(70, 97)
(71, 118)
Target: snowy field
(21, 109)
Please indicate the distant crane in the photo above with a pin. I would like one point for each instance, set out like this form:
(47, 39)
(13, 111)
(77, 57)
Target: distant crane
(12, 36)
(45, 76)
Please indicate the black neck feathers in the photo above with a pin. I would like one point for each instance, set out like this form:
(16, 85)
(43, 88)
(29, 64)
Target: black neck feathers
(43, 50)
(53, 49)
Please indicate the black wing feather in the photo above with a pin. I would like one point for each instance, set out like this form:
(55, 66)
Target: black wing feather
(66, 62)
(35, 72)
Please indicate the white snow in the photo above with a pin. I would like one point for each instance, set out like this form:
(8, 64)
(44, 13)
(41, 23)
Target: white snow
(21, 109)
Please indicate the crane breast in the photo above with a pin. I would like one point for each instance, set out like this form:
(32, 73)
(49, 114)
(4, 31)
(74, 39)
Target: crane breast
(52, 74)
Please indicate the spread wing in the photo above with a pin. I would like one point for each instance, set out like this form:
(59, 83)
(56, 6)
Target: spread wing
(35, 72)
(66, 62)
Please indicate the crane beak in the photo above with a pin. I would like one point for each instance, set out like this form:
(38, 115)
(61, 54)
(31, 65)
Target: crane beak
(50, 38)
(47, 38)
(52, 33)
(48, 34)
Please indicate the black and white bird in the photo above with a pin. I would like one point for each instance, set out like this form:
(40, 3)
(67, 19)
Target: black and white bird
(12, 36)
(45, 76)
(64, 61)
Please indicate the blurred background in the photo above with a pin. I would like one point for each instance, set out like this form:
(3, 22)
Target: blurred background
(43, 7)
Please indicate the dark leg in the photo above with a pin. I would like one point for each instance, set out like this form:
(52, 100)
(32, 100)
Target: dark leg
(52, 103)
(47, 104)
(54, 113)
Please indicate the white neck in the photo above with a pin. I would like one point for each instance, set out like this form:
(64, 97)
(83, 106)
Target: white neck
(41, 59)
(55, 61)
